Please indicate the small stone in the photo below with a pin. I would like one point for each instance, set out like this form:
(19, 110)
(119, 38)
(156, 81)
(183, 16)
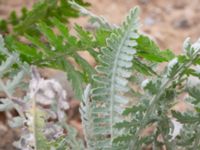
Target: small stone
(181, 23)
(149, 21)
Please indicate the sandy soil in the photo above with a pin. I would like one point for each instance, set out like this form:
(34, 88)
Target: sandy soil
(168, 22)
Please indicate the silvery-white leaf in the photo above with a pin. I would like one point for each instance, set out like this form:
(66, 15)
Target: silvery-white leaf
(16, 122)
(53, 131)
(145, 83)
(25, 142)
(43, 100)
(6, 104)
(11, 85)
(177, 128)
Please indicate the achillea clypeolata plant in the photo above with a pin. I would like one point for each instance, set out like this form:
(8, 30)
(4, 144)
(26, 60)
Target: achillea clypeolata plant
(124, 95)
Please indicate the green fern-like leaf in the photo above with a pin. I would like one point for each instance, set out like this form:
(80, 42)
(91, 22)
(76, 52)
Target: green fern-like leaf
(110, 84)
(41, 11)
(57, 49)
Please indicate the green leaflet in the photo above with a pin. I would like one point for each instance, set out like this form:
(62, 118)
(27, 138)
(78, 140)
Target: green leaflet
(74, 76)
(195, 92)
(87, 68)
(142, 67)
(60, 45)
(85, 36)
(148, 49)
(38, 12)
(185, 118)
(151, 86)
(27, 51)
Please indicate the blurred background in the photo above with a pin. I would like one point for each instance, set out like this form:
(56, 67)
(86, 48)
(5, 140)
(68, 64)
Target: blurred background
(167, 22)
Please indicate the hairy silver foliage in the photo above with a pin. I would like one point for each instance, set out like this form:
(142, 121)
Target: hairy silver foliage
(48, 93)
(46, 100)
(86, 114)
(107, 93)
(9, 86)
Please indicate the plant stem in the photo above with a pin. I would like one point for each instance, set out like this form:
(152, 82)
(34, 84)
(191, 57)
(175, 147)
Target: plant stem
(34, 121)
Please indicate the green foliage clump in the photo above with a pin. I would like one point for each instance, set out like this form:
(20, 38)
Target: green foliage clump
(41, 11)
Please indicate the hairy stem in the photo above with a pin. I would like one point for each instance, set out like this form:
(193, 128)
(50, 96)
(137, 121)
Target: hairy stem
(34, 122)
